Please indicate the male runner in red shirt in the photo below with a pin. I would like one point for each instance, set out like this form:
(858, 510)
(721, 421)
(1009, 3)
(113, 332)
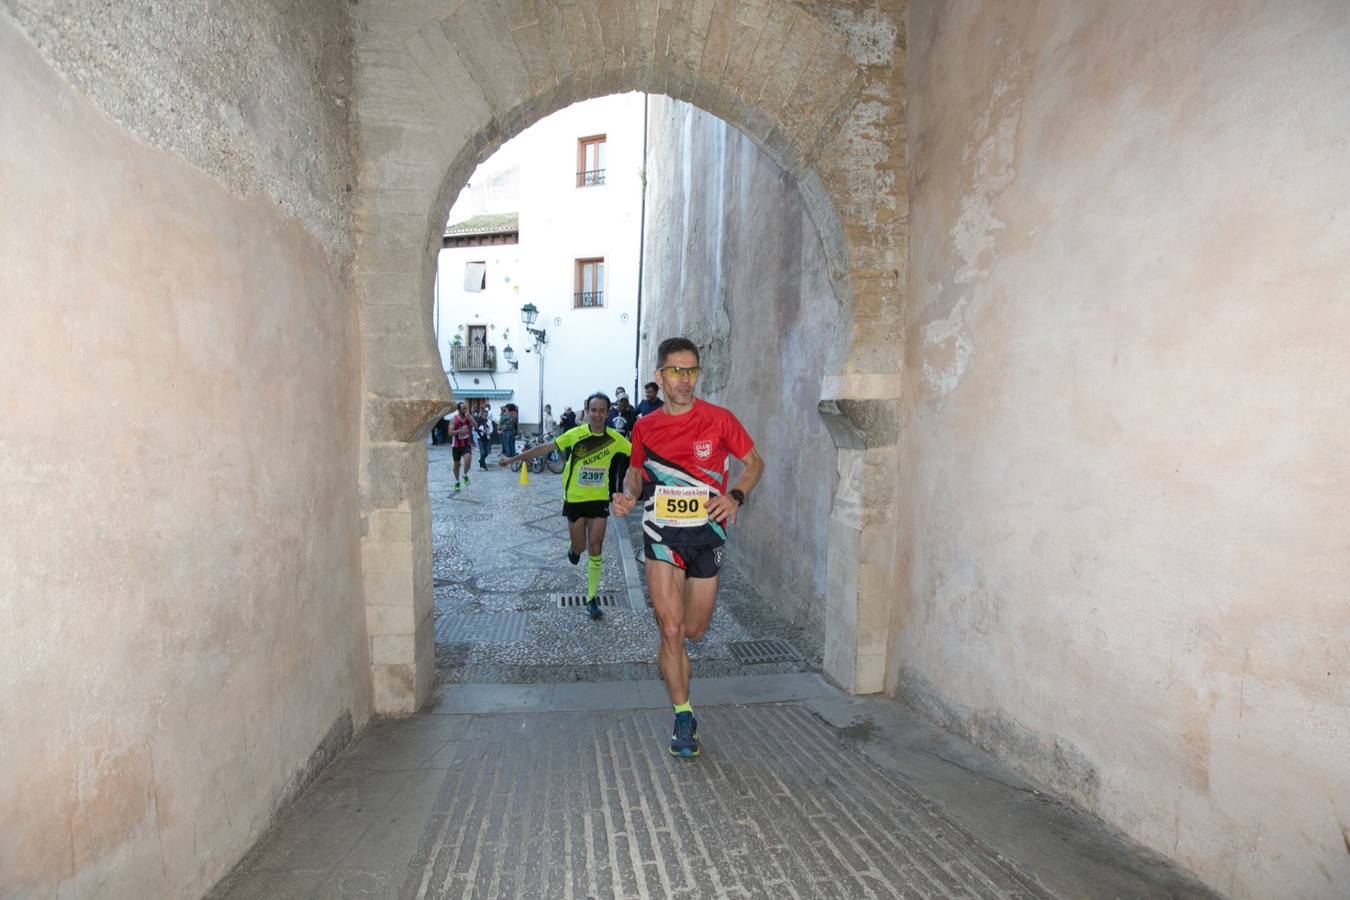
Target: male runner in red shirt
(680, 466)
(461, 441)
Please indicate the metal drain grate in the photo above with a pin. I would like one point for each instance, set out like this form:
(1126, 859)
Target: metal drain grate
(748, 653)
(567, 601)
(480, 628)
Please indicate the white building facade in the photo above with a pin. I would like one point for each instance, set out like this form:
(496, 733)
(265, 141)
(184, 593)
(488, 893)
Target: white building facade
(552, 219)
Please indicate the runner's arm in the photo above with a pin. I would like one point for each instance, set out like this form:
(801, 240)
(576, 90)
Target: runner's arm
(723, 507)
(536, 450)
(632, 489)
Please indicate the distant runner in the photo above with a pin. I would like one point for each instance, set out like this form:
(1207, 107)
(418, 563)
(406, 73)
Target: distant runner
(586, 486)
(461, 441)
(681, 461)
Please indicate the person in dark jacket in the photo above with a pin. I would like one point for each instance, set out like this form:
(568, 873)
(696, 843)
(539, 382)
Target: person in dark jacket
(508, 423)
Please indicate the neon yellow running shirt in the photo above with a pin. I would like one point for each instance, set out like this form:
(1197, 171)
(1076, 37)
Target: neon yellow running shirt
(586, 478)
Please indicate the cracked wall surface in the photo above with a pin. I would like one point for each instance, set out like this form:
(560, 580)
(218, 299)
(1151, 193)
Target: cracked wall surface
(180, 585)
(1124, 440)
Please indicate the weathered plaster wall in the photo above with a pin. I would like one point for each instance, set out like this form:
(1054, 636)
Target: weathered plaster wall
(1125, 441)
(733, 262)
(181, 622)
(255, 93)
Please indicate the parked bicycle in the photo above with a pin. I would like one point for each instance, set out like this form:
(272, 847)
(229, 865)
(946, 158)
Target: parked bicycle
(554, 461)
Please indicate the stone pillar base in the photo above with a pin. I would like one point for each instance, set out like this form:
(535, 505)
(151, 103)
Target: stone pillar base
(396, 562)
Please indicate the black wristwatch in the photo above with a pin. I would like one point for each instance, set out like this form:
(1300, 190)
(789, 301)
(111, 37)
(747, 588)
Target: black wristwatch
(738, 495)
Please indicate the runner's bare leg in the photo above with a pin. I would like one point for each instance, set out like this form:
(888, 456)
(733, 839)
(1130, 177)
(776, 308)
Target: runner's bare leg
(700, 599)
(595, 537)
(666, 583)
(576, 535)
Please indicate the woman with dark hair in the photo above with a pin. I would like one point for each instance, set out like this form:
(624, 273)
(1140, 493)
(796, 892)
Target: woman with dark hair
(586, 486)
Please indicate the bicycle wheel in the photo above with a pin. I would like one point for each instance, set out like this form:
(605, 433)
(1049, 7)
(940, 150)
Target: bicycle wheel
(515, 466)
(537, 465)
(555, 462)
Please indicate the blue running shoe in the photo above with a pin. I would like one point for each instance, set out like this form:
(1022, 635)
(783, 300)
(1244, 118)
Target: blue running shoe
(684, 742)
(593, 610)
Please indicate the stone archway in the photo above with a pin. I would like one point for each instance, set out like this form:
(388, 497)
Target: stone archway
(821, 91)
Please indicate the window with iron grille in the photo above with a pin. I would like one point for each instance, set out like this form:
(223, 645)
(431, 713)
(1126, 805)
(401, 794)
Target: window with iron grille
(590, 283)
(591, 161)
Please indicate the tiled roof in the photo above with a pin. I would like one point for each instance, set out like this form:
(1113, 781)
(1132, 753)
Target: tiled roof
(494, 223)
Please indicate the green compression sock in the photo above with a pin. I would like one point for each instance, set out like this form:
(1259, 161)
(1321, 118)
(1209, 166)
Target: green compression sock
(684, 707)
(592, 575)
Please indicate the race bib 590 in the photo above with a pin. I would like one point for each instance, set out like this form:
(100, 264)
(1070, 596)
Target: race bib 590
(680, 507)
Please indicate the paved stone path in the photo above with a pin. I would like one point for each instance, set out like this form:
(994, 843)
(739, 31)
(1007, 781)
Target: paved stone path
(556, 783)
(521, 813)
(499, 555)
(567, 791)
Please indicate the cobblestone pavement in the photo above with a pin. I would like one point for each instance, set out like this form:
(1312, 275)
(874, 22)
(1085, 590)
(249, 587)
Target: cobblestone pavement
(499, 556)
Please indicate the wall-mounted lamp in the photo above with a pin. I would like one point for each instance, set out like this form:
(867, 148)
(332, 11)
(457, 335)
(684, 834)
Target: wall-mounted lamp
(528, 314)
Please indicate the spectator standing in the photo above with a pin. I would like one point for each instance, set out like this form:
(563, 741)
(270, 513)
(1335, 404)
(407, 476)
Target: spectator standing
(483, 428)
(508, 423)
(549, 423)
(623, 417)
(568, 420)
(440, 432)
(650, 401)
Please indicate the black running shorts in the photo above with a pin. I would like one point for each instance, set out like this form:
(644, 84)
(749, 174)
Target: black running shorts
(460, 451)
(588, 509)
(697, 562)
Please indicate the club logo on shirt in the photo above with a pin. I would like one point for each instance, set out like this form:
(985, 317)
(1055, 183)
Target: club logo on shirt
(703, 449)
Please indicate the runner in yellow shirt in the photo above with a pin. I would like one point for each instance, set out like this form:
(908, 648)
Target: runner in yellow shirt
(586, 486)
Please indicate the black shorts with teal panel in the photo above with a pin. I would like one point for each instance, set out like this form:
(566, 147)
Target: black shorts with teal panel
(700, 561)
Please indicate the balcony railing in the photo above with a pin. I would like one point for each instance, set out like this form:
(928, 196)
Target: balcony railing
(591, 178)
(473, 359)
(588, 298)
